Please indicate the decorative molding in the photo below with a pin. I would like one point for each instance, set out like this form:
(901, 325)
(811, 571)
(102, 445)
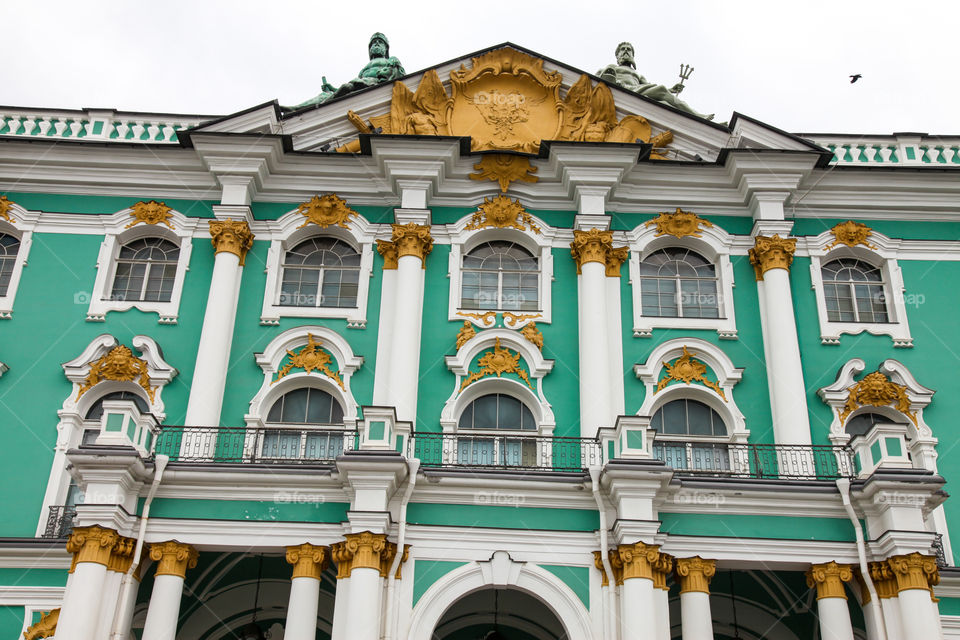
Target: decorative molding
(635, 560)
(92, 544)
(466, 332)
(358, 551)
(231, 236)
(686, 369)
(502, 213)
(121, 365)
(515, 320)
(914, 571)
(771, 253)
(309, 358)
(45, 627)
(504, 169)
(121, 556)
(485, 319)
(850, 233)
(876, 390)
(679, 224)
(531, 333)
(593, 245)
(694, 574)
(308, 560)
(828, 578)
(388, 250)
(497, 362)
(412, 239)
(325, 211)
(151, 212)
(173, 558)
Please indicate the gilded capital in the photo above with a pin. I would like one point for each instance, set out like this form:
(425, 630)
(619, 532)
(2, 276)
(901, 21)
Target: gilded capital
(615, 258)
(308, 560)
(828, 578)
(914, 571)
(593, 245)
(121, 557)
(388, 250)
(883, 579)
(92, 544)
(638, 560)
(598, 563)
(232, 236)
(662, 567)
(694, 574)
(387, 557)
(358, 551)
(771, 253)
(412, 240)
(173, 558)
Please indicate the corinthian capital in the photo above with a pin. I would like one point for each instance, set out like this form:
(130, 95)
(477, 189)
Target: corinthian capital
(771, 253)
(232, 236)
(694, 574)
(914, 571)
(309, 561)
(173, 558)
(388, 250)
(412, 240)
(638, 560)
(829, 578)
(92, 544)
(596, 245)
(358, 551)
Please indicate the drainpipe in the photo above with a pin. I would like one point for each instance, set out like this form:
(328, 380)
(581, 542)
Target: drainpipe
(843, 485)
(609, 622)
(413, 466)
(127, 586)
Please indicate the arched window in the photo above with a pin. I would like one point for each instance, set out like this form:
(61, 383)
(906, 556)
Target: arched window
(502, 276)
(492, 413)
(320, 272)
(320, 417)
(9, 247)
(146, 270)
(861, 424)
(679, 425)
(854, 291)
(678, 283)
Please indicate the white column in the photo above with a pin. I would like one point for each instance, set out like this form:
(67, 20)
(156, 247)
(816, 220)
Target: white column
(163, 612)
(340, 603)
(125, 617)
(359, 558)
(915, 573)
(638, 610)
(91, 548)
(694, 575)
(413, 243)
(832, 599)
(231, 240)
(309, 563)
(388, 291)
(771, 257)
(886, 586)
(364, 608)
(892, 618)
(615, 332)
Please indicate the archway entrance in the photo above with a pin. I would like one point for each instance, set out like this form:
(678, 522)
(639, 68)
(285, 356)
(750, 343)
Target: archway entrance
(511, 613)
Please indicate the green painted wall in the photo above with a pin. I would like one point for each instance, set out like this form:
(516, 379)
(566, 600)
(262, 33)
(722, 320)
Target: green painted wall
(107, 205)
(746, 526)
(577, 578)
(466, 515)
(281, 510)
(427, 572)
(11, 621)
(33, 577)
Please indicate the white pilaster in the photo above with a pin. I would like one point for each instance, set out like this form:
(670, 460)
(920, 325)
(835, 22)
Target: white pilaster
(661, 602)
(594, 350)
(385, 332)
(405, 348)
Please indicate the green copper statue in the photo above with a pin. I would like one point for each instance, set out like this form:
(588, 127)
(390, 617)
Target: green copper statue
(624, 74)
(381, 68)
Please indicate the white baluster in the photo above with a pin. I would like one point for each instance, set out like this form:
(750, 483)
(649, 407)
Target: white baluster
(122, 129)
(168, 131)
(138, 129)
(75, 128)
(152, 131)
(60, 127)
(43, 126)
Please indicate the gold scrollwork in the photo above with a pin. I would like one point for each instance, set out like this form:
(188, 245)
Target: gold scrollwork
(876, 390)
(388, 250)
(679, 224)
(771, 253)
(533, 335)
(412, 240)
(504, 169)
(686, 369)
(502, 213)
(152, 212)
(851, 234)
(513, 319)
(485, 319)
(591, 245)
(496, 363)
(5, 205)
(465, 334)
(324, 211)
(45, 627)
(309, 358)
(231, 236)
(118, 364)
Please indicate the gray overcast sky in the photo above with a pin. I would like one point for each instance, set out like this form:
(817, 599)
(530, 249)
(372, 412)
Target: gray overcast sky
(784, 63)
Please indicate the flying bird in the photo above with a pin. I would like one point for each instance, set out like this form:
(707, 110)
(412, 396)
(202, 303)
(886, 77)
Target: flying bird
(855, 77)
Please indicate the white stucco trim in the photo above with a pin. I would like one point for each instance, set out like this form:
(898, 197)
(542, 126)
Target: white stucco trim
(22, 228)
(287, 232)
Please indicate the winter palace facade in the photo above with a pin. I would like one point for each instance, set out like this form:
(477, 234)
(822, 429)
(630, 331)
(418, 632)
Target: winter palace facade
(499, 349)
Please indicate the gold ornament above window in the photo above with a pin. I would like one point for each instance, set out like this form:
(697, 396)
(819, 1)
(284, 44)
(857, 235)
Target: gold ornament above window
(465, 334)
(504, 169)
(876, 390)
(5, 212)
(496, 363)
(327, 210)
(118, 364)
(851, 234)
(532, 334)
(486, 318)
(513, 319)
(686, 369)
(310, 357)
(152, 212)
(679, 223)
(45, 627)
(502, 213)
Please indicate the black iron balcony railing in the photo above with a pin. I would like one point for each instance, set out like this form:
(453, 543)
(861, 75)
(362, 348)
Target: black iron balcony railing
(512, 452)
(60, 521)
(771, 461)
(253, 446)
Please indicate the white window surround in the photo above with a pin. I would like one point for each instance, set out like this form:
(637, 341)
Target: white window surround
(73, 412)
(22, 228)
(885, 258)
(717, 361)
(714, 244)
(269, 361)
(537, 367)
(287, 232)
(463, 240)
(115, 236)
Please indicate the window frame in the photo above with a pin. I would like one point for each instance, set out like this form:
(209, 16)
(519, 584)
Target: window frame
(22, 228)
(692, 443)
(678, 281)
(303, 431)
(116, 235)
(714, 245)
(882, 257)
(152, 265)
(500, 307)
(289, 231)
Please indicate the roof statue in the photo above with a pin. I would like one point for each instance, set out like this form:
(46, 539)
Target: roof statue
(624, 73)
(381, 68)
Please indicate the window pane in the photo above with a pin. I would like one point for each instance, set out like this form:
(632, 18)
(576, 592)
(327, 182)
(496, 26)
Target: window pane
(485, 412)
(318, 407)
(295, 406)
(698, 419)
(499, 276)
(509, 413)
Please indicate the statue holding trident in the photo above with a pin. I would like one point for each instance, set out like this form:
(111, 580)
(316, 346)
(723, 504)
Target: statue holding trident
(381, 68)
(624, 74)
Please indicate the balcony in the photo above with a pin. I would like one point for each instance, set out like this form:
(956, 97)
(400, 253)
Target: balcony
(233, 445)
(513, 452)
(60, 521)
(762, 461)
